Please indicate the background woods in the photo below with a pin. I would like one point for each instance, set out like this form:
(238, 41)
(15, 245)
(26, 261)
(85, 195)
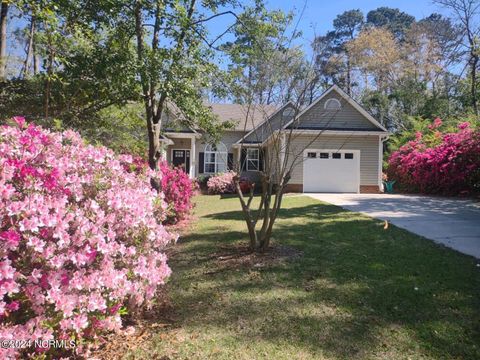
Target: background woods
(89, 67)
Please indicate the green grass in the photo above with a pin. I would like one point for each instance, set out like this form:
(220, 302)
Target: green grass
(358, 292)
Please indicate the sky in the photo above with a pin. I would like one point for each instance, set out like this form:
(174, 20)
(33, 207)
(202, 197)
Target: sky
(313, 16)
(319, 14)
(316, 16)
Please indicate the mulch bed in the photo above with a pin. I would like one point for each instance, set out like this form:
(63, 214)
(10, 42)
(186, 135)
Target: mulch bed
(144, 325)
(235, 257)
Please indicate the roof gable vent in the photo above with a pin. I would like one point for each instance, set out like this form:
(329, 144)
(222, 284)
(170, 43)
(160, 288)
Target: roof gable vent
(332, 104)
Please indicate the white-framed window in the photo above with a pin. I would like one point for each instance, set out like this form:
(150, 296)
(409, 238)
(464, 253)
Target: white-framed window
(215, 158)
(253, 160)
(332, 104)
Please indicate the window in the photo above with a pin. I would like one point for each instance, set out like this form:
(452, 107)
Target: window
(336, 156)
(324, 156)
(348, 155)
(311, 155)
(216, 157)
(332, 104)
(252, 160)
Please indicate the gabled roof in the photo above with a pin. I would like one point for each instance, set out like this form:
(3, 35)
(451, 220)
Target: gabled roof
(349, 99)
(242, 140)
(234, 113)
(237, 114)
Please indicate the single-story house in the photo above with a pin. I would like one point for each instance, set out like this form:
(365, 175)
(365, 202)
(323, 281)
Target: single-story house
(340, 144)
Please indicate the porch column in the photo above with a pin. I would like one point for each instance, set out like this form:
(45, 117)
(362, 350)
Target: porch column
(239, 158)
(282, 150)
(193, 163)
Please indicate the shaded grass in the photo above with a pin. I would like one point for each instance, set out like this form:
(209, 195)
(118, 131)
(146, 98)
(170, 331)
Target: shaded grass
(358, 292)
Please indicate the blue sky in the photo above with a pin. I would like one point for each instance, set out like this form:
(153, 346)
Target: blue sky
(318, 15)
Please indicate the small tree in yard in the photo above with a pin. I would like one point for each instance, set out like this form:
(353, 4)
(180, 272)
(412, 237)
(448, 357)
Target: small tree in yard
(264, 75)
(275, 175)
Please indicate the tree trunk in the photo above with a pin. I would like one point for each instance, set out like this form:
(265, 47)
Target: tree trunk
(3, 39)
(36, 58)
(349, 84)
(48, 80)
(473, 86)
(28, 57)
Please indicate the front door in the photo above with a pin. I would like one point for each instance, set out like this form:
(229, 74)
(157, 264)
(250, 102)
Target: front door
(181, 158)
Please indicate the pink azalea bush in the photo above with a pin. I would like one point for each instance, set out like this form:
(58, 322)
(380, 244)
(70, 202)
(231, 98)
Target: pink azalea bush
(80, 238)
(177, 187)
(221, 183)
(437, 163)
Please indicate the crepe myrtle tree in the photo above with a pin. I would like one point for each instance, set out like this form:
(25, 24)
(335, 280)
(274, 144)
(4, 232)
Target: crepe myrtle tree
(268, 71)
(278, 155)
(275, 141)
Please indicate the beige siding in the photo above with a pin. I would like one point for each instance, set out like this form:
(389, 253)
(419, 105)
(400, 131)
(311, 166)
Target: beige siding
(267, 128)
(348, 117)
(367, 144)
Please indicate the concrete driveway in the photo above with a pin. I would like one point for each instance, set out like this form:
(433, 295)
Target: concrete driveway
(452, 222)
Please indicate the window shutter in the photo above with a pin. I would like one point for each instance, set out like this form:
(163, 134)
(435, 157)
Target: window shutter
(201, 160)
(260, 159)
(230, 161)
(243, 160)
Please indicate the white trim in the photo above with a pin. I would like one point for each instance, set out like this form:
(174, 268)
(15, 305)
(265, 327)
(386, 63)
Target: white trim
(183, 135)
(264, 121)
(246, 145)
(380, 161)
(323, 132)
(336, 132)
(190, 157)
(357, 152)
(193, 162)
(257, 159)
(217, 153)
(282, 150)
(381, 140)
(337, 103)
(349, 100)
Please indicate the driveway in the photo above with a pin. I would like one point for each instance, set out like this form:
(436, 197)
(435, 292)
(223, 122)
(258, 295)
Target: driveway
(452, 222)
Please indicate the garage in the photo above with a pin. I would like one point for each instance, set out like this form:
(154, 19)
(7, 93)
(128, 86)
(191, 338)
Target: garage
(336, 171)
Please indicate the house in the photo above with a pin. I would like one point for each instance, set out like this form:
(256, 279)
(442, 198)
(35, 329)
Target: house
(339, 144)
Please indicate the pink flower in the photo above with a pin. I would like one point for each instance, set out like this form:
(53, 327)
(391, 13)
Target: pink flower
(92, 232)
(464, 125)
(20, 120)
(13, 306)
(436, 123)
(11, 237)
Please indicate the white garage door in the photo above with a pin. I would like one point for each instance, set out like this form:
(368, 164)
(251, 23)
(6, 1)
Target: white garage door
(331, 171)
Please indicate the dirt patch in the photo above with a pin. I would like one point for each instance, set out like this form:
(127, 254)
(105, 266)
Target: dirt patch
(234, 257)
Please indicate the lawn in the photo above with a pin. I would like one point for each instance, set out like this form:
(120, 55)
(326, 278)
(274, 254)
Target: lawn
(357, 291)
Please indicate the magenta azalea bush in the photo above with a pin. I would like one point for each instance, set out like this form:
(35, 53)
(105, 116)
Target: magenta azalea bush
(178, 189)
(221, 183)
(436, 163)
(80, 238)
